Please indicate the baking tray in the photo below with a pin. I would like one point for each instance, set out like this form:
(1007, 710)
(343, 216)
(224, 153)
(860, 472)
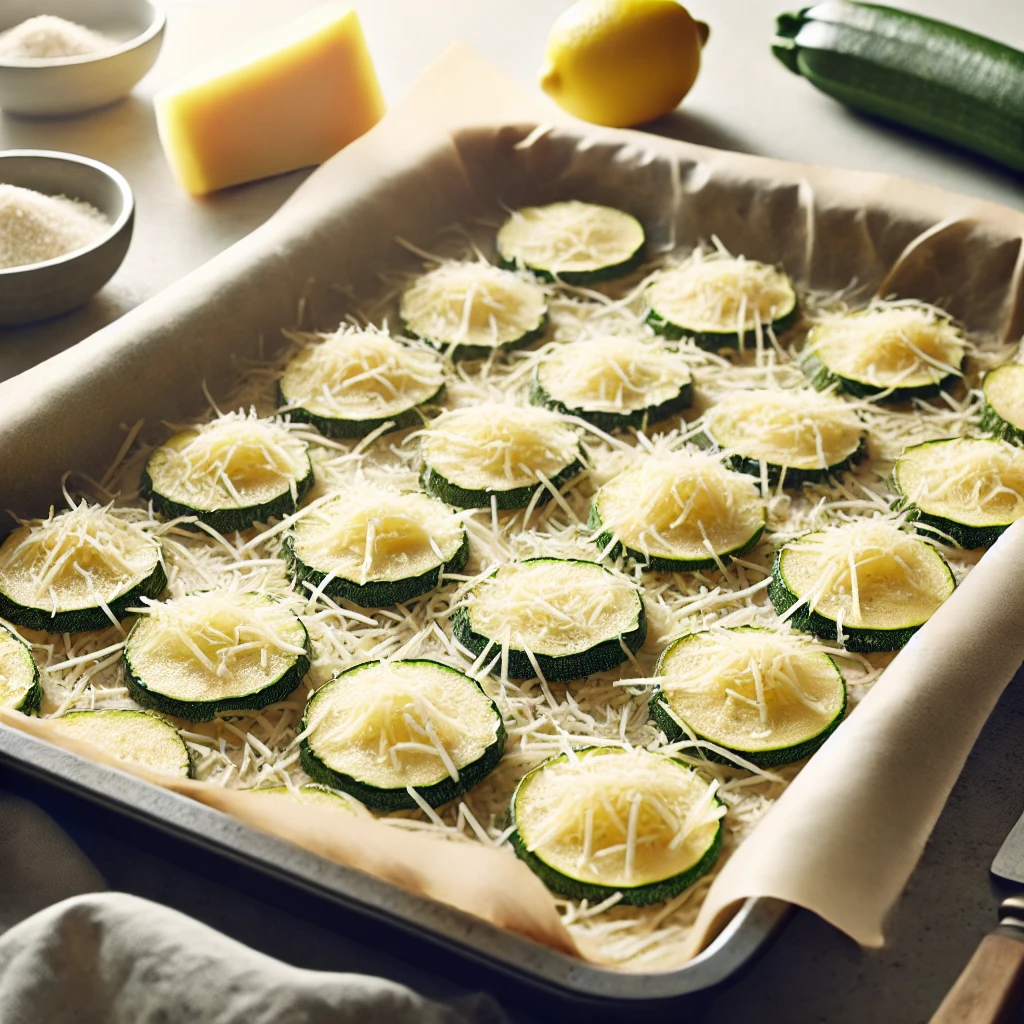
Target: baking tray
(547, 982)
(340, 227)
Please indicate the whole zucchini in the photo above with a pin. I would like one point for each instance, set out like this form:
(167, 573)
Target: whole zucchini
(929, 76)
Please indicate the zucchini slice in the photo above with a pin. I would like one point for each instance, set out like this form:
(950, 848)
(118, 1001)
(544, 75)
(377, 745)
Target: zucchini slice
(721, 303)
(19, 674)
(771, 698)
(215, 651)
(902, 352)
(679, 512)
(868, 585)
(1003, 411)
(129, 735)
(376, 548)
(472, 310)
(318, 796)
(500, 452)
(607, 820)
(382, 728)
(230, 473)
(799, 436)
(355, 381)
(970, 489)
(574, 242)
(614, 383)
(78, 570)
(574, 617)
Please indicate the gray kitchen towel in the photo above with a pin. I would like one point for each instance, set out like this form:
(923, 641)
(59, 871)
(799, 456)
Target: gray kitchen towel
(111, 958)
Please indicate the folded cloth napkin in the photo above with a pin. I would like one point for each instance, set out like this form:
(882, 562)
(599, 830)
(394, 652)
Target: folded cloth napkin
(111, 958)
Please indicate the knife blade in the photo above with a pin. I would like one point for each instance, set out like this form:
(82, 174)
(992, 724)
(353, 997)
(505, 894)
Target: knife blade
(991, 987)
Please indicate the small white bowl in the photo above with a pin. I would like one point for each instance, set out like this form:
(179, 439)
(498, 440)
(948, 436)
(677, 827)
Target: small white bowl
(42, 290)
(73, 85)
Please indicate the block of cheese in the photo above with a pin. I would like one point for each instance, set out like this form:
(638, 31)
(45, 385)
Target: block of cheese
(287, 100)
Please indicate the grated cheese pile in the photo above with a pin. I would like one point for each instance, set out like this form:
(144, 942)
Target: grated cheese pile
(35, 228)
(250, 750)
(47, 37)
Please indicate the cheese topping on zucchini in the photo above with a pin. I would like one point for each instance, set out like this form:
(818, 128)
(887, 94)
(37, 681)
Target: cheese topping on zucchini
(400, 542)
(317, 796)
(901, 349)
(613, 381)
(801, 431)
(680, 510)
(129, 735)
(215, 651)
(971, 489)
(577, 242)
(627, 821)
(574, 617)
(867, 581)
(230, 473)
(770, 697)
(492, 448)
(730, 298)
(384, 727)
(1003, 389)
(79, 569)
(19, 675)
(474, 309)
(355, 380)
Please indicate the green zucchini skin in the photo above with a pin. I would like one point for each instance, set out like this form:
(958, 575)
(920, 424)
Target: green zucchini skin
(460, 352)
(794, 478)
(992, 423)
(611, 421)
(518, 497)
(376, 593)
(578, 277)
(340, 429)
(857, 639)
(712, 341)
(206, 710)
(228, 520)
(82, 620)
(399, 799)
(657, 708)
(659, 563)
(821, 377)
(636, 896)
(33, 699)
(969, 537)
(914, 71)
(603, 656)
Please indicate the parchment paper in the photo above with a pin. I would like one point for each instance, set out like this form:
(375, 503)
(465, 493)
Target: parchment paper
(844, 838)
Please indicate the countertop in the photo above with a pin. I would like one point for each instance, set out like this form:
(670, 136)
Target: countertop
(745, 101)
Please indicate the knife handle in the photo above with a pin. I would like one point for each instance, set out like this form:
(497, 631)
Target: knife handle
(991, 987)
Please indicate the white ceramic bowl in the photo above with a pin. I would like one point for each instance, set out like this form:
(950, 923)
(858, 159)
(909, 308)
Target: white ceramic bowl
(42, 290)
(73, 85)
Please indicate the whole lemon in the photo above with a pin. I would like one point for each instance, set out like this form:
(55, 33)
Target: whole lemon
(622, 62)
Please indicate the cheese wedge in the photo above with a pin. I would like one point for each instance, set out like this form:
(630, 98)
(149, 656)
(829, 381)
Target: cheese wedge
(283, 101)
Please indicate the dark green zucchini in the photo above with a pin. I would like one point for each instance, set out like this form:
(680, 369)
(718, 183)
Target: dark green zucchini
(376, 731)
(737, 688)
(215, 651)
(19, 674)
(58, 573)
(913, 71)
(574, 617)
(578, 819)
(900, 582)
(971, 489)
(614, 383)
(1003, 411)
(573, 242)
(376, 548)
